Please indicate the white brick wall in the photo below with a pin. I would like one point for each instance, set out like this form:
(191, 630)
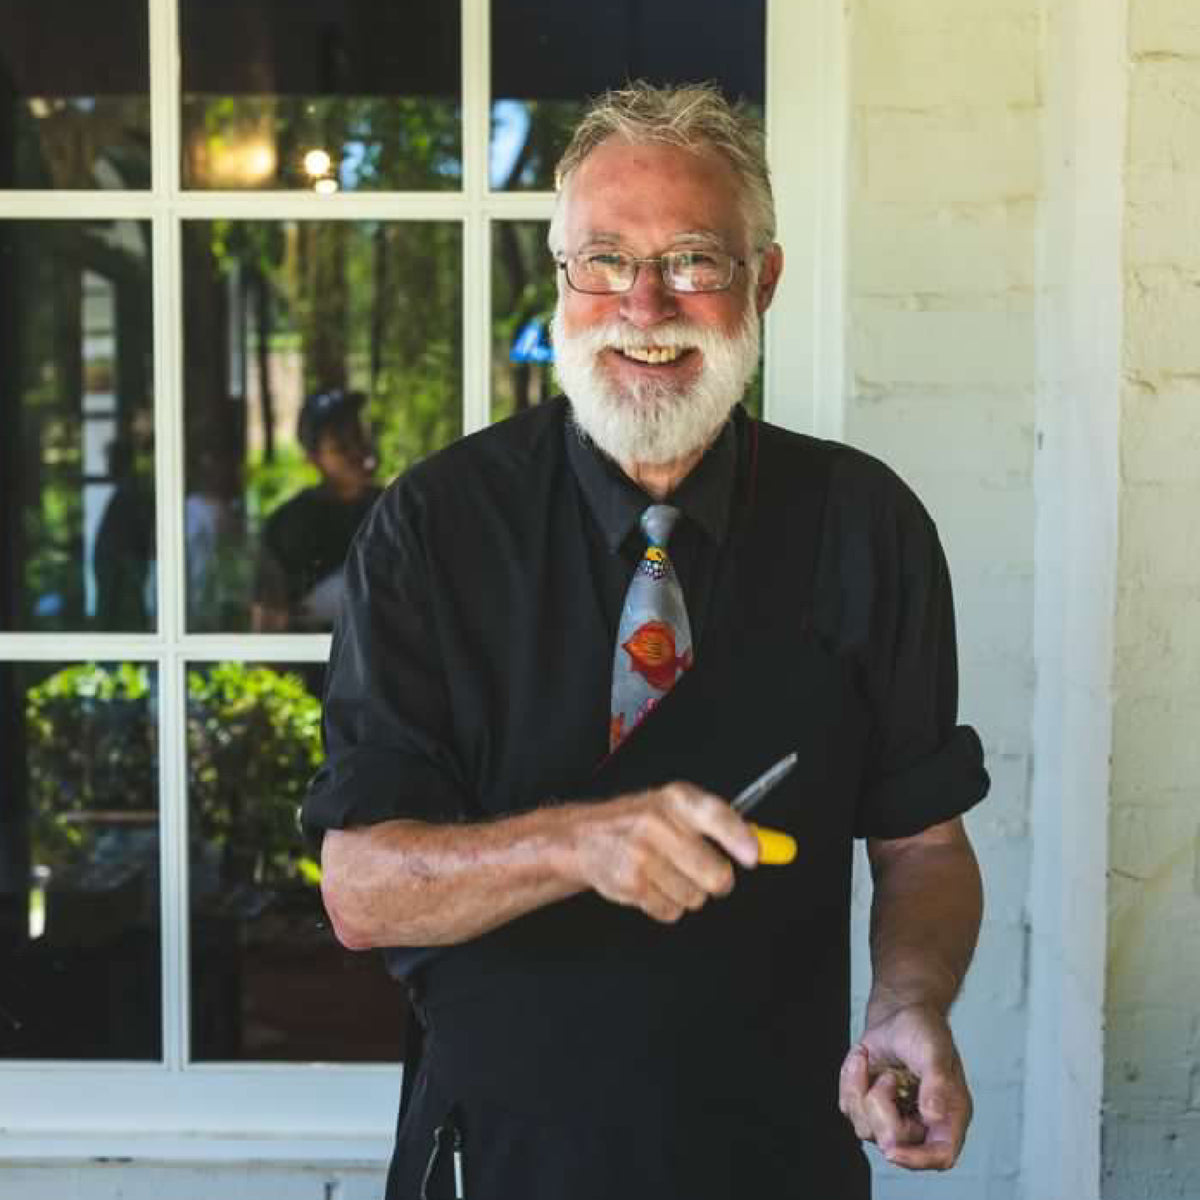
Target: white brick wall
(943, 213)
(978, 155)
(981, 249)
(1165, 28)
(1152, 1047)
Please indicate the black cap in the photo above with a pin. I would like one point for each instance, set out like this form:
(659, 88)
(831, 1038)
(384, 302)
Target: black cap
(322, 408)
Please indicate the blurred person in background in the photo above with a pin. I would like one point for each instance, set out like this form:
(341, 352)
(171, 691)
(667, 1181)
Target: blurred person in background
(123, 554)
(304, 541)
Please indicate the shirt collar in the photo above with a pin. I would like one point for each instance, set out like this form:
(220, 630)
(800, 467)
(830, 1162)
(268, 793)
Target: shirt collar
(617, 502)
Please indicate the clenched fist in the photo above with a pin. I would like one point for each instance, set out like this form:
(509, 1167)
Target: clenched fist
(666, 851)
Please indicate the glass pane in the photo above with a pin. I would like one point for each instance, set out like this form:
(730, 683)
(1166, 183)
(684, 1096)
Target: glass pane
(523, 296)
(362, 321)
(269, 981)
(77, 409)
(74, 94)
(548, 57)
(324, 94)
(80, 974)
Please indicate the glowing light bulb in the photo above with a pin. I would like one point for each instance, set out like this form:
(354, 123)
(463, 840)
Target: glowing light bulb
(317, 163)
(258, 161)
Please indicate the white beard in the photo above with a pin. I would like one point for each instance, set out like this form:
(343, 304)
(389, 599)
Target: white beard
(654, 421)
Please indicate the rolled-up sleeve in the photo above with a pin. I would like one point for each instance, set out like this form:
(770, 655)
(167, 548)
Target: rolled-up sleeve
(893, 611)
(386, 721)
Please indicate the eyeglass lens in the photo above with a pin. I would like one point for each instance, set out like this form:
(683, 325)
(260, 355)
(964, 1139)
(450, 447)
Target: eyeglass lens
(684, 271)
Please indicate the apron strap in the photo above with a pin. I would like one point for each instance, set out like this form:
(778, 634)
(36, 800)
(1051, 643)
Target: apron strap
(414, 1048)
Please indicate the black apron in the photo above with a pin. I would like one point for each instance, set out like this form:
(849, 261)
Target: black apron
(587, 1052)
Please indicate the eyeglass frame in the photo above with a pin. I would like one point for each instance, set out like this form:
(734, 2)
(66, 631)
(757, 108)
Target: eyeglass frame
(562, 261)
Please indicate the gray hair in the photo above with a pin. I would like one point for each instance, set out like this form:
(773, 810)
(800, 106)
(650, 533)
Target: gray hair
(692, 117)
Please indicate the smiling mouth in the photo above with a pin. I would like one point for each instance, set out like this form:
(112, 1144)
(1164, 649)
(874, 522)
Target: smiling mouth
(654, 356)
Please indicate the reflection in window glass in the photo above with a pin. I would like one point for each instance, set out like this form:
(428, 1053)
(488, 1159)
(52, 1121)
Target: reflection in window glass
(549, 57)
(79, 895)
(321, 359)
(76, 408)
(328, 94)
(74, 94)
(523, 296)
(269, 981)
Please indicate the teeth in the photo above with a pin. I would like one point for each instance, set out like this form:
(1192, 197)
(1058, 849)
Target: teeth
(652, 354)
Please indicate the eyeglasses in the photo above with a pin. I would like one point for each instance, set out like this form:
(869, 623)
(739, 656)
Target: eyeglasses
(612, 272)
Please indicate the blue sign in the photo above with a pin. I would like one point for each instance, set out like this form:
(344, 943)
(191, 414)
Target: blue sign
(532, 345)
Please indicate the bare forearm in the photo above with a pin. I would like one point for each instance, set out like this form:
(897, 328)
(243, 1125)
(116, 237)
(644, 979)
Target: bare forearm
(925, 915)
(408, 883)
(666, 851)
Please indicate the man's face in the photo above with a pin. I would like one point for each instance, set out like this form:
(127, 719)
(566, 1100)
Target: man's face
(652, 374)
(345, 457)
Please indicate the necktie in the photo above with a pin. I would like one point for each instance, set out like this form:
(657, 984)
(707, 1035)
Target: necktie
(654, 639)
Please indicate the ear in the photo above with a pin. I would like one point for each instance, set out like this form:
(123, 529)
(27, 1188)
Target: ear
(768, 278)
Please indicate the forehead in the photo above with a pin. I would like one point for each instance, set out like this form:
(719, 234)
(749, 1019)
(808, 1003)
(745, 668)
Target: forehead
(648, 196)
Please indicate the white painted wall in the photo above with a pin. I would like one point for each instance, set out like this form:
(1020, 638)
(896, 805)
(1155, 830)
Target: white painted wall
(1079, 337)
(1152, 1047)
(944, 189)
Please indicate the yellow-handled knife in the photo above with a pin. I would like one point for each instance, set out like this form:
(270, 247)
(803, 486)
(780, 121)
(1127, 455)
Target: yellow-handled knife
(774, 848)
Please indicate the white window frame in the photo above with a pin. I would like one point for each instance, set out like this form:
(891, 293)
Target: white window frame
(175, 1110)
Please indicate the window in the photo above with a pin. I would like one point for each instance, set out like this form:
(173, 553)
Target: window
(211, 212)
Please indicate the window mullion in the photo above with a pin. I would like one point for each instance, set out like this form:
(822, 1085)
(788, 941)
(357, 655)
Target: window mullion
(168, 440)
(164, 98)
(476, 98)
(173, 857)
(806, 146)
(75, 206)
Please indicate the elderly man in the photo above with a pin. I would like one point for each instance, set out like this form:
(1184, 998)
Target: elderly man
(566, 642)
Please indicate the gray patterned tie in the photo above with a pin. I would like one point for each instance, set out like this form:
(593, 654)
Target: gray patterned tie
(654, 638)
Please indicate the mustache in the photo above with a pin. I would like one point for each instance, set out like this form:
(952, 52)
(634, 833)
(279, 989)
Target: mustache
(617, 335)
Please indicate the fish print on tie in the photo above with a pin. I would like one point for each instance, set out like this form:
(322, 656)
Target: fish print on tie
(654, 640)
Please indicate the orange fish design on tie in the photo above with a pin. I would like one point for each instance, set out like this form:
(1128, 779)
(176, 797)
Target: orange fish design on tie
(652, 655)
(616, 730)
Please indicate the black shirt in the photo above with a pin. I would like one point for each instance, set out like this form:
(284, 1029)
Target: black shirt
(415, 663)
(304, 541)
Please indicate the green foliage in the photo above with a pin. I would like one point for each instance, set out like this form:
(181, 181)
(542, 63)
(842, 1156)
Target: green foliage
(253, 738)
(369, 305)
(523, 287)
(399, 143)
(91, 746)
(270, 482)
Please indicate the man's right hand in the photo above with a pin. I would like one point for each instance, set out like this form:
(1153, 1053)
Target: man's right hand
(666, 851)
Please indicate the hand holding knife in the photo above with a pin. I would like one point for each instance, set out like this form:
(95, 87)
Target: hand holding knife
(775, 848)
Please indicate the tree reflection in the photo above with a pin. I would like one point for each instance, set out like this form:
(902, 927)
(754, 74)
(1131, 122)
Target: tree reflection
(375, 143)
(253, 737)
(523, 295)
(254, 741)
(76, 403)
(277, 311)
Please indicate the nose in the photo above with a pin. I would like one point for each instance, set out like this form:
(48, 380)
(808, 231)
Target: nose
(648, 302)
